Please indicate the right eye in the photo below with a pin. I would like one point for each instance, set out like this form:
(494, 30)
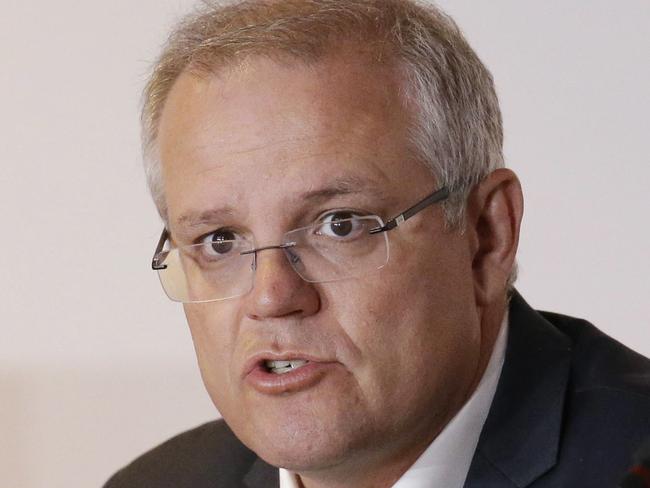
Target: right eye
(219, 243)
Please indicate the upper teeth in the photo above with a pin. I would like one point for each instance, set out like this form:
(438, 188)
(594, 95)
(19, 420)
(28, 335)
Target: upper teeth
(284, 366)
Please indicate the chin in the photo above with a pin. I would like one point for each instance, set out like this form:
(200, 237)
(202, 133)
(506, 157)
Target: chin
(303, 457)
(300, 446)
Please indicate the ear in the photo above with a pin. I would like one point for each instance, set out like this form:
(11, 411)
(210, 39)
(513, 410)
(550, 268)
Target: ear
(494, 211)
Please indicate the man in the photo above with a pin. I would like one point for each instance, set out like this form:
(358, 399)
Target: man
(342, 233)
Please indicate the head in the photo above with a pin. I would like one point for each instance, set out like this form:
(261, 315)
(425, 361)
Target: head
(264, 117)
(456, 127)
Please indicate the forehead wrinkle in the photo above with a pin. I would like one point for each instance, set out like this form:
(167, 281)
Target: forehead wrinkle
(306, 153)
(264, 146)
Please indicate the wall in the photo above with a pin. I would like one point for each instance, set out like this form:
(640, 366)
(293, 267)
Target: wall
(96, 365)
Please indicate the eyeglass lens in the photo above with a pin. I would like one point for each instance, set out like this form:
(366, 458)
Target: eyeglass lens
(322, 252)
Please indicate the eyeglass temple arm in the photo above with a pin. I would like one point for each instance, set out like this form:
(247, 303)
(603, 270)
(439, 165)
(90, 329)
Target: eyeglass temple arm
(155, 261)
(436, 196)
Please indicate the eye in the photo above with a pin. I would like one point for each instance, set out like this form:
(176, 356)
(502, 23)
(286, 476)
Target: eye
(341, 224)
(219, 243)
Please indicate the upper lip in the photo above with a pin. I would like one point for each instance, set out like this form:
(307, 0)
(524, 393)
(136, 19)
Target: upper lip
(258, 359)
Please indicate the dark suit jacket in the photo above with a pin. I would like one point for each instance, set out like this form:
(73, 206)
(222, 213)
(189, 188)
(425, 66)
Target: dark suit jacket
(571, 407)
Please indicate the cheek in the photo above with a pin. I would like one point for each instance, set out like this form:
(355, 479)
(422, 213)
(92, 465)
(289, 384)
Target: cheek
(420, 294)
(211, 335)
(415, 328)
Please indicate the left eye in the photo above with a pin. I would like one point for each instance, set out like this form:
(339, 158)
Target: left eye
(340, 225)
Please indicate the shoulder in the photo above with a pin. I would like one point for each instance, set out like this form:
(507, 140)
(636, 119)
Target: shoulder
(602, 364)
(571, 400)
(607, 403)
(209, 455)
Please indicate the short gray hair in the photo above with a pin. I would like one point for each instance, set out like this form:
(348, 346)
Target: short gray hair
(457, 131)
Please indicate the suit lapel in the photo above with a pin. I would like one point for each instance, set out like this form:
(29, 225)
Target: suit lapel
(521, 435)
(262, 475)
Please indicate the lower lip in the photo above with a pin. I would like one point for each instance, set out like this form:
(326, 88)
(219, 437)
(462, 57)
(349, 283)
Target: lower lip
(296, 380)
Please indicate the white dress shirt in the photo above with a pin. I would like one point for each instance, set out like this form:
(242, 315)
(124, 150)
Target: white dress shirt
(445, 463)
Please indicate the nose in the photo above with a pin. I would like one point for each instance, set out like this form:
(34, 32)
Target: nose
(278, 291)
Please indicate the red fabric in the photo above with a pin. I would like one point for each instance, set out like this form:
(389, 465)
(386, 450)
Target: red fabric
(643, 472)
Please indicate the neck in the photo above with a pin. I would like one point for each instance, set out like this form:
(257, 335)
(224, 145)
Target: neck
(491, 318)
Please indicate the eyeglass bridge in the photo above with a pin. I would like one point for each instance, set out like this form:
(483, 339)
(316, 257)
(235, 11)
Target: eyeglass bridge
(278, 246)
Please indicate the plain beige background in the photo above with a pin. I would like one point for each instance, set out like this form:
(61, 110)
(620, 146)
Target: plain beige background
(96, 365)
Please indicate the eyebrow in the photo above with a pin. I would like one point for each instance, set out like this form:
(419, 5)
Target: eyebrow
(196, 219)
(348, 185)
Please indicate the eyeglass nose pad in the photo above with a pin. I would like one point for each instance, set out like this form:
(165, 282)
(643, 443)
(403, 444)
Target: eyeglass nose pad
(295, 260)
(291, 255)
(254, 262)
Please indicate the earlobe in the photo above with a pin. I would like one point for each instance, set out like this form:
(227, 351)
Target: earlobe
(494, 213)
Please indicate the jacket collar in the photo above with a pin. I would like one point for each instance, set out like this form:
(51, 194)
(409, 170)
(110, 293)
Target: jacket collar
(262, 475)
(520, 438)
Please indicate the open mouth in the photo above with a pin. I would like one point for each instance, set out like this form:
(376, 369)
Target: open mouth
(273, 375)
(283, 367)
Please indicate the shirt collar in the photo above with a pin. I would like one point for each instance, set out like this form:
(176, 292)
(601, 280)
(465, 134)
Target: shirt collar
(447, 459)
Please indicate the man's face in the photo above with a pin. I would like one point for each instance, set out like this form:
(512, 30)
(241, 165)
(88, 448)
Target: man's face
(261, 149)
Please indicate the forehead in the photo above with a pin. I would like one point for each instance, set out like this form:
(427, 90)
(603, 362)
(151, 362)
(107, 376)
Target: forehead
(261, 130)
